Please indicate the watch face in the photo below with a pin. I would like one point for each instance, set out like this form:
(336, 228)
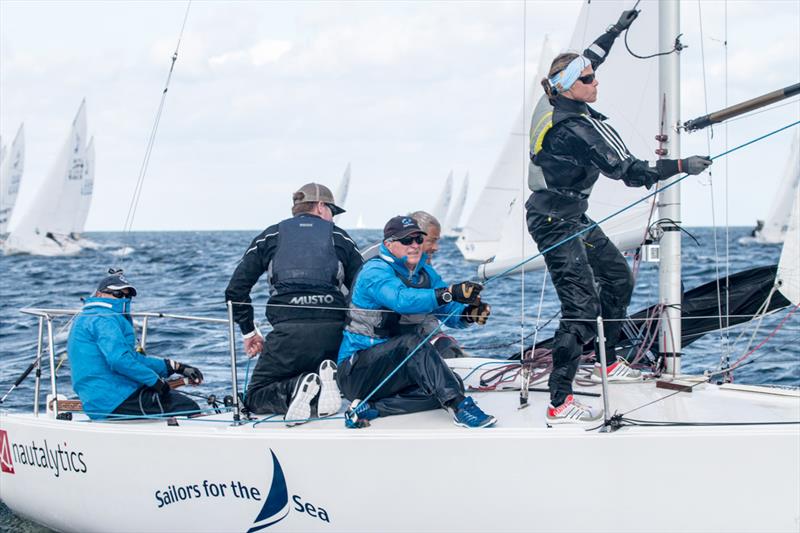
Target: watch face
(447, 297)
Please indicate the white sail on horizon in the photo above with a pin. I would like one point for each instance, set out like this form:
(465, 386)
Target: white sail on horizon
(45, 228)
(342, 191)
(87, 189)
(452, 227)
(12, 166)
(442, 205)
(775, 225)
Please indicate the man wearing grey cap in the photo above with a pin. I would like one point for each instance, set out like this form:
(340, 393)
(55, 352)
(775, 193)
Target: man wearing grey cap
(109, 375)
(310, 264)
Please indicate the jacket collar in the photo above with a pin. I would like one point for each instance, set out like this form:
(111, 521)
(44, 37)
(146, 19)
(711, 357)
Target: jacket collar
(115, 305)
(399, 263)
(566, 108)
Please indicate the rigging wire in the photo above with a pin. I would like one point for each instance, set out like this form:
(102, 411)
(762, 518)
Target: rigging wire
(137, 192)
(724, 339)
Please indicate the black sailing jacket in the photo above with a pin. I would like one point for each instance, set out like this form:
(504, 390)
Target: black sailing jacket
(580, 146)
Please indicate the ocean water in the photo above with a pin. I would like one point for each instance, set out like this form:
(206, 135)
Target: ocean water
(186, 273)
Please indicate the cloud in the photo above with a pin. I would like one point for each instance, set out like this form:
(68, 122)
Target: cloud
(261, 53)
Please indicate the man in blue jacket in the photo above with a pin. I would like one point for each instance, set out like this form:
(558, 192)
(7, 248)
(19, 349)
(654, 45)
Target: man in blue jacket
(108, 374)
(395, 295)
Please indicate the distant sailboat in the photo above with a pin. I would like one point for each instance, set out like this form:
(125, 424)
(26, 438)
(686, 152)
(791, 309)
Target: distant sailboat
(46, 227)
(360, 222)
(442, 204)
(452, 226)
(12, 163)
(342, 191)
(773, 229)
(87, 188)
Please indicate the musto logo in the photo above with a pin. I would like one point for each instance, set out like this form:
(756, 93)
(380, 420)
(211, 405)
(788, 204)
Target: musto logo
(6, 464)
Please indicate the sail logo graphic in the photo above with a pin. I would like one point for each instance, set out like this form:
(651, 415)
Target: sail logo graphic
(276, 507)
(6, 463)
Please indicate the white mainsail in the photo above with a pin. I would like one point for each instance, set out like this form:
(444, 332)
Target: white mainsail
(44, 229)
(482, 231)
(774, 228)
(451, 226)
(634, 116)
(12, 164)
(788, 276)
(442, 205)
(87, 188)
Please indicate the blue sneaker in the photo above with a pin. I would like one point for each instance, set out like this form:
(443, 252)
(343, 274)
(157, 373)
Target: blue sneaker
(359, 414)
(469, 415)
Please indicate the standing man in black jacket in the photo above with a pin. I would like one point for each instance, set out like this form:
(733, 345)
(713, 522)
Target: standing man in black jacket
(311, 265)
(568, 155)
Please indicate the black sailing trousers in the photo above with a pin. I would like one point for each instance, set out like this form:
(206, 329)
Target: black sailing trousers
(423, 383)
(590, 276)
(145, 401)
(292, 349)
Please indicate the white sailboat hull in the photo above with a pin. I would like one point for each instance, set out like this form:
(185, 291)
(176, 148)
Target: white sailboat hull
(419, 472)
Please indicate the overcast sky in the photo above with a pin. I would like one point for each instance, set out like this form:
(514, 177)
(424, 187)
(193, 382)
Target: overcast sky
(268, 96)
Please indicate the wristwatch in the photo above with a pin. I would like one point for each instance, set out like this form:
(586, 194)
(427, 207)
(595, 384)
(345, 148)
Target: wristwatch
(447, 297)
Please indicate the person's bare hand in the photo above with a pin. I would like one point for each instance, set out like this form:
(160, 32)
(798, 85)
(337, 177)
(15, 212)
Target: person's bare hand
(253, 345)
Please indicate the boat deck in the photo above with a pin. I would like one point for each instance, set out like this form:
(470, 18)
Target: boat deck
(706, 404)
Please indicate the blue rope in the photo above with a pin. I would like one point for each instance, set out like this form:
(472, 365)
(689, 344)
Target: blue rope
(542, 252)
(246, 378)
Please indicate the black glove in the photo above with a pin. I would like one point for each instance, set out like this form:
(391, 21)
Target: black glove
(160, 387)
(696, 164)
(477, 314)
(625, 21)
(466, 292)
(193, 373)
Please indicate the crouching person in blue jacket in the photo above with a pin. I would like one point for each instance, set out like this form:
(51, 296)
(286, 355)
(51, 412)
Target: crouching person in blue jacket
(108, 374)
(394, 297)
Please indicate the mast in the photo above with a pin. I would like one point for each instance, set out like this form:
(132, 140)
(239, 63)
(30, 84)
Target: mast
(669, 201)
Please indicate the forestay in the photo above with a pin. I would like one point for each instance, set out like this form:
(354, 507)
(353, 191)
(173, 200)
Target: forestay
(628, 94)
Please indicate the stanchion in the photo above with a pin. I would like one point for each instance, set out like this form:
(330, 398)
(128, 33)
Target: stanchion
(601, 348)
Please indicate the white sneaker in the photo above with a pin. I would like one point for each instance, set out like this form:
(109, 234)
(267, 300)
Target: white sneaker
(300, 407)
(330, 399)
(572, 412)
(619, 372)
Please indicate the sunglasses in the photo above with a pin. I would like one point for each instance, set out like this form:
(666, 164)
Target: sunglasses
(121, 294)
(406, 241)
(589, 78)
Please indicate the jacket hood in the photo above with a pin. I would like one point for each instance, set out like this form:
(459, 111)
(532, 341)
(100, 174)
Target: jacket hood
(115, 305)
(400, 263)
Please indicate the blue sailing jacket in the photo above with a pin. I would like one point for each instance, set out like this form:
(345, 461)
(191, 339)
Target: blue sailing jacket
(379, 286)
(106, 368)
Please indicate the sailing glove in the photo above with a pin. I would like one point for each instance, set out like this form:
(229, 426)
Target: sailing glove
(477, 314)
(696, 164)
(465, 292)
(625, 21)
(193, 373)
(160, 387)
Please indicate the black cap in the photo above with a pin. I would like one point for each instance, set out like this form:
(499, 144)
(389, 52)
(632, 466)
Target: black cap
(115, 281)
(399, 227)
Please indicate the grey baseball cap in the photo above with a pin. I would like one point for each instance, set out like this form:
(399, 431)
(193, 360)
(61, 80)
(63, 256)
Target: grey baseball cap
(315, 192)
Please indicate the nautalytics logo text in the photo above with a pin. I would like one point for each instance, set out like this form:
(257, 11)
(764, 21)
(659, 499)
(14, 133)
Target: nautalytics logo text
(58, 459)
(276, 507)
